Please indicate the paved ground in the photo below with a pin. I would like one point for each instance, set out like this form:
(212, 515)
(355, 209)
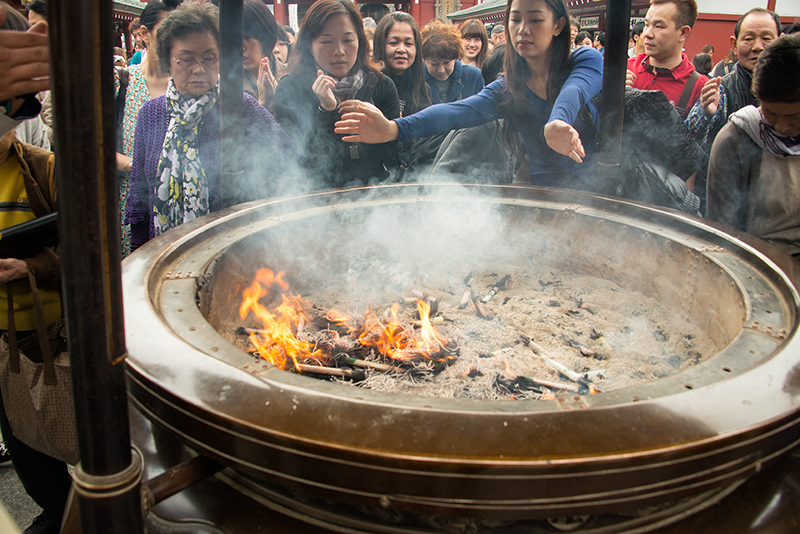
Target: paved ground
(13, 498)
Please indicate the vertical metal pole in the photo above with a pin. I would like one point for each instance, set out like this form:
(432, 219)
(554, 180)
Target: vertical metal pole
(231, 97)
(107, 479)
(612, 105)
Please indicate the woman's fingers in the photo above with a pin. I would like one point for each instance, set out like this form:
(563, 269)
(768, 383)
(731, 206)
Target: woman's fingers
(564, 139)
(323, 88)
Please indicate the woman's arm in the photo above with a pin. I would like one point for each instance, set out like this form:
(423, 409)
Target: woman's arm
(365, 126)
(585, 80)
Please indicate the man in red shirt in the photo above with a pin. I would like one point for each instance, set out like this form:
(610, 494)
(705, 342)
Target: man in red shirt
(664, 66)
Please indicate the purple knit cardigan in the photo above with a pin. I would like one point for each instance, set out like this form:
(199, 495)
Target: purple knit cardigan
(151, 129)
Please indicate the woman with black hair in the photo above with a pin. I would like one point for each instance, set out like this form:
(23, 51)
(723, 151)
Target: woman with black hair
(398, 46)
(543, 89)
(330, 73)
(583, 39)
(260, 31)
(476, 43)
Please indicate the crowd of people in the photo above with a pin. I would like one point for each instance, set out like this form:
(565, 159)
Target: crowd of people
(346, 102)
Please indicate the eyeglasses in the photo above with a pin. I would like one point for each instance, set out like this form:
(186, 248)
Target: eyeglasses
(188, 63)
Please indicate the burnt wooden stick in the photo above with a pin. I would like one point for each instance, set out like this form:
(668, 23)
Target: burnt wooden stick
(329, 371)
(246, 331)
(373, 365)
(554, 385)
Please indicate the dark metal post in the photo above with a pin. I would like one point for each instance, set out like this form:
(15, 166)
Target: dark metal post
(107, 479)
(231, 96)
(612, 105)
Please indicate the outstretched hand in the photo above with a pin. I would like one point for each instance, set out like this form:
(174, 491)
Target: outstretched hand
(24, 60)
(564, 139)
(363, 122)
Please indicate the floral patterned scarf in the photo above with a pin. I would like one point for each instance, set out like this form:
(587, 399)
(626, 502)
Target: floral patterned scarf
(182, 193)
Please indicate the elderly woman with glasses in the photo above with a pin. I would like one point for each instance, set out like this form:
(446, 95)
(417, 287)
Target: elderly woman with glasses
(175, 172)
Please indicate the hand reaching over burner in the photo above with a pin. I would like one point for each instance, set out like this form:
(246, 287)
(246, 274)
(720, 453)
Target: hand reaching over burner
(363, 122)
(564, 139)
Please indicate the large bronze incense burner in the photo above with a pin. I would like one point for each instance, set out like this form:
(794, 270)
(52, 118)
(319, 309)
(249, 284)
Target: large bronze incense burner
(667, 444)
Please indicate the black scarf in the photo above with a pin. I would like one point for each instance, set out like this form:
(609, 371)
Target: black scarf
(737, 84)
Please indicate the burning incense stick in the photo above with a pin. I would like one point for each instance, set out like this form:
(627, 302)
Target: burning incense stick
(561, 368)
(465, 298)
(481, 310)
(494, 353)
(605, 348)
(505, 283)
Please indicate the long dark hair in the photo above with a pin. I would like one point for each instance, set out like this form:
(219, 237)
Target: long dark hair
(516, 68)
(418, 86)
(301, 60)
(475, 28)
(259, 23)
(516, 74)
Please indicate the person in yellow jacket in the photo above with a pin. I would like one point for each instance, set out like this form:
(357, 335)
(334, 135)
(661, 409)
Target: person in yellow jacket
(27, 191)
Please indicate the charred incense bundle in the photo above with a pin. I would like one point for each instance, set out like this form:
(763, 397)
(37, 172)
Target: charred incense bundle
(330, 371)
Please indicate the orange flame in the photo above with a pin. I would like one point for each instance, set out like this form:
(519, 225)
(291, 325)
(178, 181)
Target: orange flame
(397, 341)
(340, 321)
(546, 395)
(391, 339)
(277, 343)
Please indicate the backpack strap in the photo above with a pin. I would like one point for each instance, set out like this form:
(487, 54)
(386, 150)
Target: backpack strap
(687, 92)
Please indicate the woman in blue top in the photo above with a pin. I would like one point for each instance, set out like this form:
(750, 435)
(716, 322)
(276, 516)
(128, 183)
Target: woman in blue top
(539, 97)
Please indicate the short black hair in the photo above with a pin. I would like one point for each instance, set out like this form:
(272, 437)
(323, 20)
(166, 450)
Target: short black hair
(776, 77)
(637, 29)
(774, 15)
(702, 63)
(493, 64)
(601, 36)
(39, 7)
